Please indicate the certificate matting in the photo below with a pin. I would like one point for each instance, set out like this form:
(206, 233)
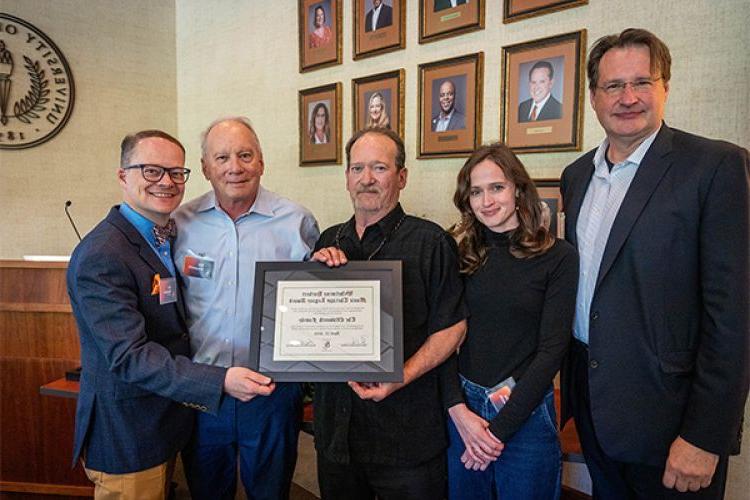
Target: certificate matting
(292, 278)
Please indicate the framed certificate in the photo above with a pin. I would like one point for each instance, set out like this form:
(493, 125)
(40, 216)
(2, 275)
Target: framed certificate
(312, 323)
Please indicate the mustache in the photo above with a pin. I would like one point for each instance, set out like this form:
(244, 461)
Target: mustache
(367, 190)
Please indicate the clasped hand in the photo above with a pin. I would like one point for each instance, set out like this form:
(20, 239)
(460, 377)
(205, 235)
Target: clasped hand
(482, 447)
(244, 384)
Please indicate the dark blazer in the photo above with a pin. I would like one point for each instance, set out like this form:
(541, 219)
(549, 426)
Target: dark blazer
(669, 328)
(384, 19)
(445, 4)
(135, 355)
(552, 110)
(457, 121)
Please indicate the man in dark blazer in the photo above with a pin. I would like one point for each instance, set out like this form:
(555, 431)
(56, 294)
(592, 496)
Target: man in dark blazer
(542, 105)
(658, 373)
(139, 388)
(384, 18)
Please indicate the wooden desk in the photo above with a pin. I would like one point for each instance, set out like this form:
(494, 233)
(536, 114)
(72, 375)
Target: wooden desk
(38, 343)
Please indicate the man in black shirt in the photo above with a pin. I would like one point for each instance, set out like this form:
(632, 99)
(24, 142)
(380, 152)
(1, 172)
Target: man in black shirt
(389, 439)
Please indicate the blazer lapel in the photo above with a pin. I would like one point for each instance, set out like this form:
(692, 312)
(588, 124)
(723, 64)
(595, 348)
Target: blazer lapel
(578, 190)
(650, 172)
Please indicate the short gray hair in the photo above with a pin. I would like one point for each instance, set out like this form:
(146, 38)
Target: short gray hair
(243, 120)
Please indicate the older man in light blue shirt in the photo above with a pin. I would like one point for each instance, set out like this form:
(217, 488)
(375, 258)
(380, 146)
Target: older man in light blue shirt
(221, 235)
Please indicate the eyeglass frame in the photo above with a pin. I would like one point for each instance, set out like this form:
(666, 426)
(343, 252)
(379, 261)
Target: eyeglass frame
(616, 89)
(164, 170)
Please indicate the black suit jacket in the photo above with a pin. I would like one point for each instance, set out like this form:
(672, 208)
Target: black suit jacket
(384, 19)
(552, 110)
(669, 323)
(135, 355)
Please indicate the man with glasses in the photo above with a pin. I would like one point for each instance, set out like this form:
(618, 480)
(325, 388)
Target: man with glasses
(658, 373)
(139, 388)
(222, 234)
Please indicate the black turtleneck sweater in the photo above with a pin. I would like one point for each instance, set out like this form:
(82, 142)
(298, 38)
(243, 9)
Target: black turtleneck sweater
(521, 315)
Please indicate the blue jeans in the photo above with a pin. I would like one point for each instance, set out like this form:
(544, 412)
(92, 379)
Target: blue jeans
(529, 466)
(263, 432)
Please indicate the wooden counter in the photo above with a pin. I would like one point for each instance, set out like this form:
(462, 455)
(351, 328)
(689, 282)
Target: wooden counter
(38, 343)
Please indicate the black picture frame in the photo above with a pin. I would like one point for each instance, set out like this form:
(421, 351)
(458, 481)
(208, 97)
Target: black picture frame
(388, 369)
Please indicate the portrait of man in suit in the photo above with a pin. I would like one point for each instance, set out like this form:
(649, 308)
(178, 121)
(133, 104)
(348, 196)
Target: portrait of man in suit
(379, 16)
(448, 4)
(542, 105)
(658, 372)
(447, 116)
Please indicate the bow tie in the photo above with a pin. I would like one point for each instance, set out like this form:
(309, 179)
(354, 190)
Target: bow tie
(164, 233)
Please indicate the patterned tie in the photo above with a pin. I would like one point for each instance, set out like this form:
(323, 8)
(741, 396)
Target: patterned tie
(533, 113)
(164, 233)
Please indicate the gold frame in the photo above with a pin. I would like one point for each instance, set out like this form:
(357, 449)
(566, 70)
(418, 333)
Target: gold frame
(575, 141)
(358, 53)
(553, 6)
(400, 75)
(477, 59)
(335, 159)
(425, 37)
(302, 22)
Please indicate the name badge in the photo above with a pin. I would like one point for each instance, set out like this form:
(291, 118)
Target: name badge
(500, 394)
(198, 266)
(167, 290)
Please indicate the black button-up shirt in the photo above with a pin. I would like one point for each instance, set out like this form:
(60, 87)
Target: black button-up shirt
(408, 427)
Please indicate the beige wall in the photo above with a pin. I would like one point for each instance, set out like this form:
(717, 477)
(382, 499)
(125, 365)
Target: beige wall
(142, 64)
(122, 56)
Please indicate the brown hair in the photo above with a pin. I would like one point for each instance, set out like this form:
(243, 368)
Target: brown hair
(400, 151)
(661, 61)
(530, 238)
(130, 141)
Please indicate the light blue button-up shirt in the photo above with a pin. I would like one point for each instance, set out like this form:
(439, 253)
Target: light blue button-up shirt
(146, 228)
(220, 307)
(600, 206)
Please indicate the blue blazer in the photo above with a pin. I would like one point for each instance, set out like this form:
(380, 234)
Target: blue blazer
(138, 385)
(669, 325)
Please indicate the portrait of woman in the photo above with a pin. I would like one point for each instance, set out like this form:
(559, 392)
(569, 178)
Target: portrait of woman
(321, 35)
(320, 124)
(377, 114)
(520, 287)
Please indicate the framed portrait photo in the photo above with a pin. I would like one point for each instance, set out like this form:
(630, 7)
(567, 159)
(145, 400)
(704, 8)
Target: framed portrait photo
(379, 27)
(319, 34)
(378, 101)
(450, 106)
(515, 10)
(320, 125)
(444, 18)
(549, 192)
(542, 94)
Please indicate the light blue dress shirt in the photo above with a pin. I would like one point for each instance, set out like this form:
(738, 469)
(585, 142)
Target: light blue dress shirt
(220, 307)
(600, 206)
(146, 228)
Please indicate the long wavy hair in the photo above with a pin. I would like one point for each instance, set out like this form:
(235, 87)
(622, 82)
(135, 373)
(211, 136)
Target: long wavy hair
(384, 121)
(326, 128)
(530, 238)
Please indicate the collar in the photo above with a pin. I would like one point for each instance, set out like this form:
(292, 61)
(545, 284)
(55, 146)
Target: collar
(540, 105)
(497, 239)
(385, 225)
(442, 117)
(142, 224)
(263, 203)
(635, 158)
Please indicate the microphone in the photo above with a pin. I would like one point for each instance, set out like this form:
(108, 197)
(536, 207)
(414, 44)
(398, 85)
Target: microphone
(67, 204)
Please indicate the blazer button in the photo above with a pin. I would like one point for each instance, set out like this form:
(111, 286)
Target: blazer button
(593, 363)
(594, 315)
(184, 336)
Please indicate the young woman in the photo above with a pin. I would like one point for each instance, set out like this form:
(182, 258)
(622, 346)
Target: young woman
(322, 34)
(320, 125)
(377, 116)
(520, 286)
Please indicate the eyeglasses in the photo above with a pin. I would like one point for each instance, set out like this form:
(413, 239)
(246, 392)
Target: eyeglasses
(641, 86)
(155, 173)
